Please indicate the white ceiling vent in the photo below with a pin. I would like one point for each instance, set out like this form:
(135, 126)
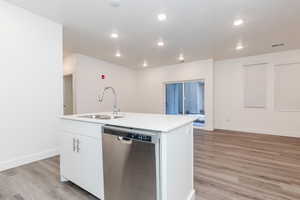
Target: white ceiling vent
(114, 3)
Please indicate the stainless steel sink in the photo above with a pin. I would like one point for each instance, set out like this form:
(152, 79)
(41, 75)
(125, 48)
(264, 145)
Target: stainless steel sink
(102, 117)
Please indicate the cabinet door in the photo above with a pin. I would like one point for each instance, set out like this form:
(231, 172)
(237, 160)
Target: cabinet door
(69, 159)
(91, 168)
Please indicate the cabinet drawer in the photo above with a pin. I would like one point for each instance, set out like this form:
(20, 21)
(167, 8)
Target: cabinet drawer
(82, 128)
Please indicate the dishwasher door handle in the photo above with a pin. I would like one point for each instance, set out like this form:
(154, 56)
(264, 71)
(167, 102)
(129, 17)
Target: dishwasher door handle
(124, 140)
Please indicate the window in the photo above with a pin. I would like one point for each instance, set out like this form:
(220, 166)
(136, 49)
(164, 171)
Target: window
(287, 85)
(186, 98)
(255, 85)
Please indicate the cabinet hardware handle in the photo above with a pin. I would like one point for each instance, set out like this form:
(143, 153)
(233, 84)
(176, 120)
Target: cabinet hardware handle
(78, 148)
(74, 147)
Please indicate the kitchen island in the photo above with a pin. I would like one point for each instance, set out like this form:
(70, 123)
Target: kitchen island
(134, 156)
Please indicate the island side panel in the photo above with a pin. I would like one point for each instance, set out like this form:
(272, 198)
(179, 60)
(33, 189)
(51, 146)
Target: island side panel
(177, 164)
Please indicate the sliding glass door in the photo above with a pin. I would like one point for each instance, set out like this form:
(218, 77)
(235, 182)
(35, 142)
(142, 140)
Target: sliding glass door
(174, 99)
(186, 98)
(194, 98)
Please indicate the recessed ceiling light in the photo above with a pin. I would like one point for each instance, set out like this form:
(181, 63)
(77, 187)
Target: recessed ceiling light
(239, 47)
(162, 17)
(114, 35)
(118, 54)
(160, 43)
(181, 58)
(238, 22)
(145, 64)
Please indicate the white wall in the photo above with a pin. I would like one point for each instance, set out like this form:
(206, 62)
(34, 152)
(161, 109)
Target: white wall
(69, 64)
(138, 90)
(88, 85)
(151, 90)
(143, 91)
(229, 109)
(30, 86)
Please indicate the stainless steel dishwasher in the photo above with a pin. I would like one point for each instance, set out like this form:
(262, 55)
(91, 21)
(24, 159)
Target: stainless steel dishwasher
(131, 160)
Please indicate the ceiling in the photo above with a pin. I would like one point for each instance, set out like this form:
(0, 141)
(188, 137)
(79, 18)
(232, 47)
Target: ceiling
(199, 29)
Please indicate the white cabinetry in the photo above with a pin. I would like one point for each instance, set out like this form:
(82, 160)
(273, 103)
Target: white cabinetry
(81, 156)
(69, 158)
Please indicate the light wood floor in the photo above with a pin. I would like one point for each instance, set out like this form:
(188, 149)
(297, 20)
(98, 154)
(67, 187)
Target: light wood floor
(228, 166)
(240, 166)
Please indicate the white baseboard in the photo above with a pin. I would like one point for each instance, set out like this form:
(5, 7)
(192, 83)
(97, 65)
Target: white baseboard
(16, 162)
(266, 132)
(192, 195)
(203, 128)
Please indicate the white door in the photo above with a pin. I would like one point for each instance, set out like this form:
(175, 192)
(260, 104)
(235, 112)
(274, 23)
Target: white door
(68, 95)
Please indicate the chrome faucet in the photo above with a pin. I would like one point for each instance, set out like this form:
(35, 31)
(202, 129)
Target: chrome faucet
(115, 107)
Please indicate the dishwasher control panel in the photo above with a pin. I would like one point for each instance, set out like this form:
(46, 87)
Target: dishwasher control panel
(132, 134)
(140, 137)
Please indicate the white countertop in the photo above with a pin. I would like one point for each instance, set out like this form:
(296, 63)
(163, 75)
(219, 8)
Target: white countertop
(154, 122)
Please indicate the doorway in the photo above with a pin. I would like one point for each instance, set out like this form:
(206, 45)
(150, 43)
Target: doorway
(68, 95)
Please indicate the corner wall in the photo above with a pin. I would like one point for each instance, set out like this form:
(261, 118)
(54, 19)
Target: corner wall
(30, 85)
(88, 85)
